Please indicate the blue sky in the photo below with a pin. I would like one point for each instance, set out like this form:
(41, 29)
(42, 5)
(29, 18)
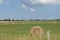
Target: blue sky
(24, 9)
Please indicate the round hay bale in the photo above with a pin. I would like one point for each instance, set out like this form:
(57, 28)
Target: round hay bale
(36, 30)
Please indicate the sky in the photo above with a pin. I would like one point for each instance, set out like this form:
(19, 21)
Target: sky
(30, 9)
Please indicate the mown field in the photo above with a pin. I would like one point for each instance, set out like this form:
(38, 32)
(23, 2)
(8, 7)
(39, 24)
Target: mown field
(21, 30)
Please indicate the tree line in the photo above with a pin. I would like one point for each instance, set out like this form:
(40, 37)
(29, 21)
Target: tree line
(25, 20)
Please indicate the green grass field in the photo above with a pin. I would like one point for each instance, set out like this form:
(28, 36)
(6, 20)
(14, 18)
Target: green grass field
(21, 30)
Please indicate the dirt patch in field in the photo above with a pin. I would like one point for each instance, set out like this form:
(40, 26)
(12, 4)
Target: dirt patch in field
(54, 22)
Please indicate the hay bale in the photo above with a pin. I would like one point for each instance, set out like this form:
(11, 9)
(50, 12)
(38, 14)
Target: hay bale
(36, 30)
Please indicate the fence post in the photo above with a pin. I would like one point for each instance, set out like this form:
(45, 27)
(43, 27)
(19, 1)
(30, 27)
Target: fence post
(48, 35)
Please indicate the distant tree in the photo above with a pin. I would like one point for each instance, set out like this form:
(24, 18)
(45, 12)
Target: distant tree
(57, 19)
(17, 20)
(6, 20)
(31, 19)
(36, 20)
(22, 20)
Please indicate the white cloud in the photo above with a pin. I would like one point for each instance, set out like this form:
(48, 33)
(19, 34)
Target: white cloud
(24, 6)
(43, 1)
(32, 9)
(33, 3)
(40, 2)
(1, 1)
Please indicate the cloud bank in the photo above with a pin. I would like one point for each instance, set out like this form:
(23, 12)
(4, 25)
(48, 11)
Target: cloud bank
(40, 2)
(34, 3)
